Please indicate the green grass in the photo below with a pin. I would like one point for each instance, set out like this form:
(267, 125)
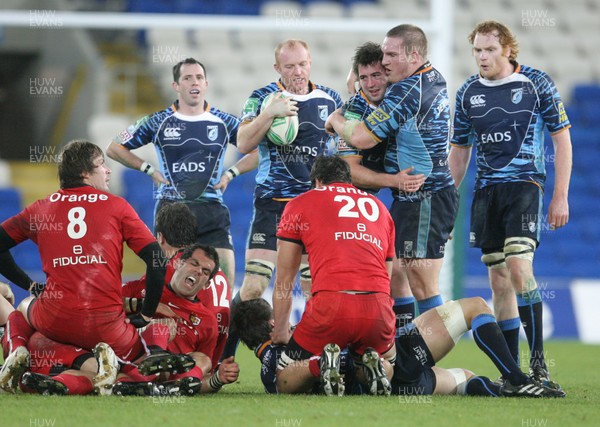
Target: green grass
(573, 365)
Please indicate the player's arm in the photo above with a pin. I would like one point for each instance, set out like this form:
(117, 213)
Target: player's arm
(367, 178)
(251, 133)
(155, 278)
(123, 155)
(289, 255)
(246, 164)
(558, 210)
(458, 161)
(8, 266)
(353, 131)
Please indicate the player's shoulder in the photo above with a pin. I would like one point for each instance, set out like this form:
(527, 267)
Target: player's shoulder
(329, 91)
(262, 92)
(537, 76)
(159, 116)
(471, 80)
(223, 115)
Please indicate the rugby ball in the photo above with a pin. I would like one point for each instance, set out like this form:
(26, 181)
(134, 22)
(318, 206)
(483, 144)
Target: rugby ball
(283, 130)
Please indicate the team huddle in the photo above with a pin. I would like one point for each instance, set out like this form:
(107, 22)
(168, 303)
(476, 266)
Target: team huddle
(365, 271)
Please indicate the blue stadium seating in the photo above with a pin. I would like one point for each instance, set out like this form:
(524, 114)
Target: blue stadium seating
(10, 202)
(139, 193)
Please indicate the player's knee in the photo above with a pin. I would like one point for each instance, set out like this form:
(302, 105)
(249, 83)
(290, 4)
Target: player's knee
(520, 247)
(258, 276)
(305, 272)
(494, 260)
(480, 306)
(454, 319)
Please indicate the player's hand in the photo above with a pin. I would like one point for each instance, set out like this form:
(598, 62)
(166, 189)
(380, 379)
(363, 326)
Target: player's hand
(282, 106)
(228, 371)
(333, 117)
(138, 320)
(409, 183)
(165, 311)
(558, 212)
(223, 183)
(281, 335)
(159, 179)
(7, 293)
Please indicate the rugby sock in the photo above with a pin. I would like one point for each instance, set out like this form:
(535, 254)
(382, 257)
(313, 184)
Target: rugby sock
(530, 310)
(510, 330)
(489, 339)
(195, 372)
(405, 311)
(77, 384)
(156, 335)
(429, 303)
(233, 339)
(18, 330)
(482, 386)
(314, 366)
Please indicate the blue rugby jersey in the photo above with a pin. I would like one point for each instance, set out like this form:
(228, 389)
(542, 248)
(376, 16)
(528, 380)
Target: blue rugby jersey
(415, 115)
(190, 149)
(505, 120)
(358, 108)
(284, 171)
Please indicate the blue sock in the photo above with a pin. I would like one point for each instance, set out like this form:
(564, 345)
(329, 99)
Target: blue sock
(530, 310)
(510, 330)
(429, 303)
(489, 339)
(405, 311)
(482, 386)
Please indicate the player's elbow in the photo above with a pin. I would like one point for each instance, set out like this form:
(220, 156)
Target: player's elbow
(111, 150)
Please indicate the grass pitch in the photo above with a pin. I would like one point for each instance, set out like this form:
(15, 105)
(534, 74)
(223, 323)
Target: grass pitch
(572, 364)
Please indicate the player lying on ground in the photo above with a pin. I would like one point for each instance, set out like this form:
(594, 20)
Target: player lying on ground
(195, 329)
(420, 346)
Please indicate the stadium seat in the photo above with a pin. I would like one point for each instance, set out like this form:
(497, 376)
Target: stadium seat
(151, 6)
(281, 9)
(10, 204)
(325, 9)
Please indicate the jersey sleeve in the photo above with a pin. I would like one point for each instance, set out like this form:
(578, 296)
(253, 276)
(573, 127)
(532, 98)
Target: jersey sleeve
(552, 108)
(140, 133)
(233, 124)
(135, 232)
(463, 134)
(291, 223)
(18, 227)
(134, 288)
(396, 108)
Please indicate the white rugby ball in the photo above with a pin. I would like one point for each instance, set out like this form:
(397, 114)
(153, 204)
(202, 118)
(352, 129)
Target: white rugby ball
(283, 130)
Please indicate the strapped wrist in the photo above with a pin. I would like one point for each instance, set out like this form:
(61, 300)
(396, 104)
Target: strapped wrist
(147, 168)
(232, 172)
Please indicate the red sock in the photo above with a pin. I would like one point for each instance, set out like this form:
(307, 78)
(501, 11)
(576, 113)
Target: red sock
(133, 375)
(195, 372)
(314, 366)
(18, 330)
(157, 334)
(76, 384)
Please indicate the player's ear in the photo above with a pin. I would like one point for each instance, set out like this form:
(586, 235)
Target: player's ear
(175, 86)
